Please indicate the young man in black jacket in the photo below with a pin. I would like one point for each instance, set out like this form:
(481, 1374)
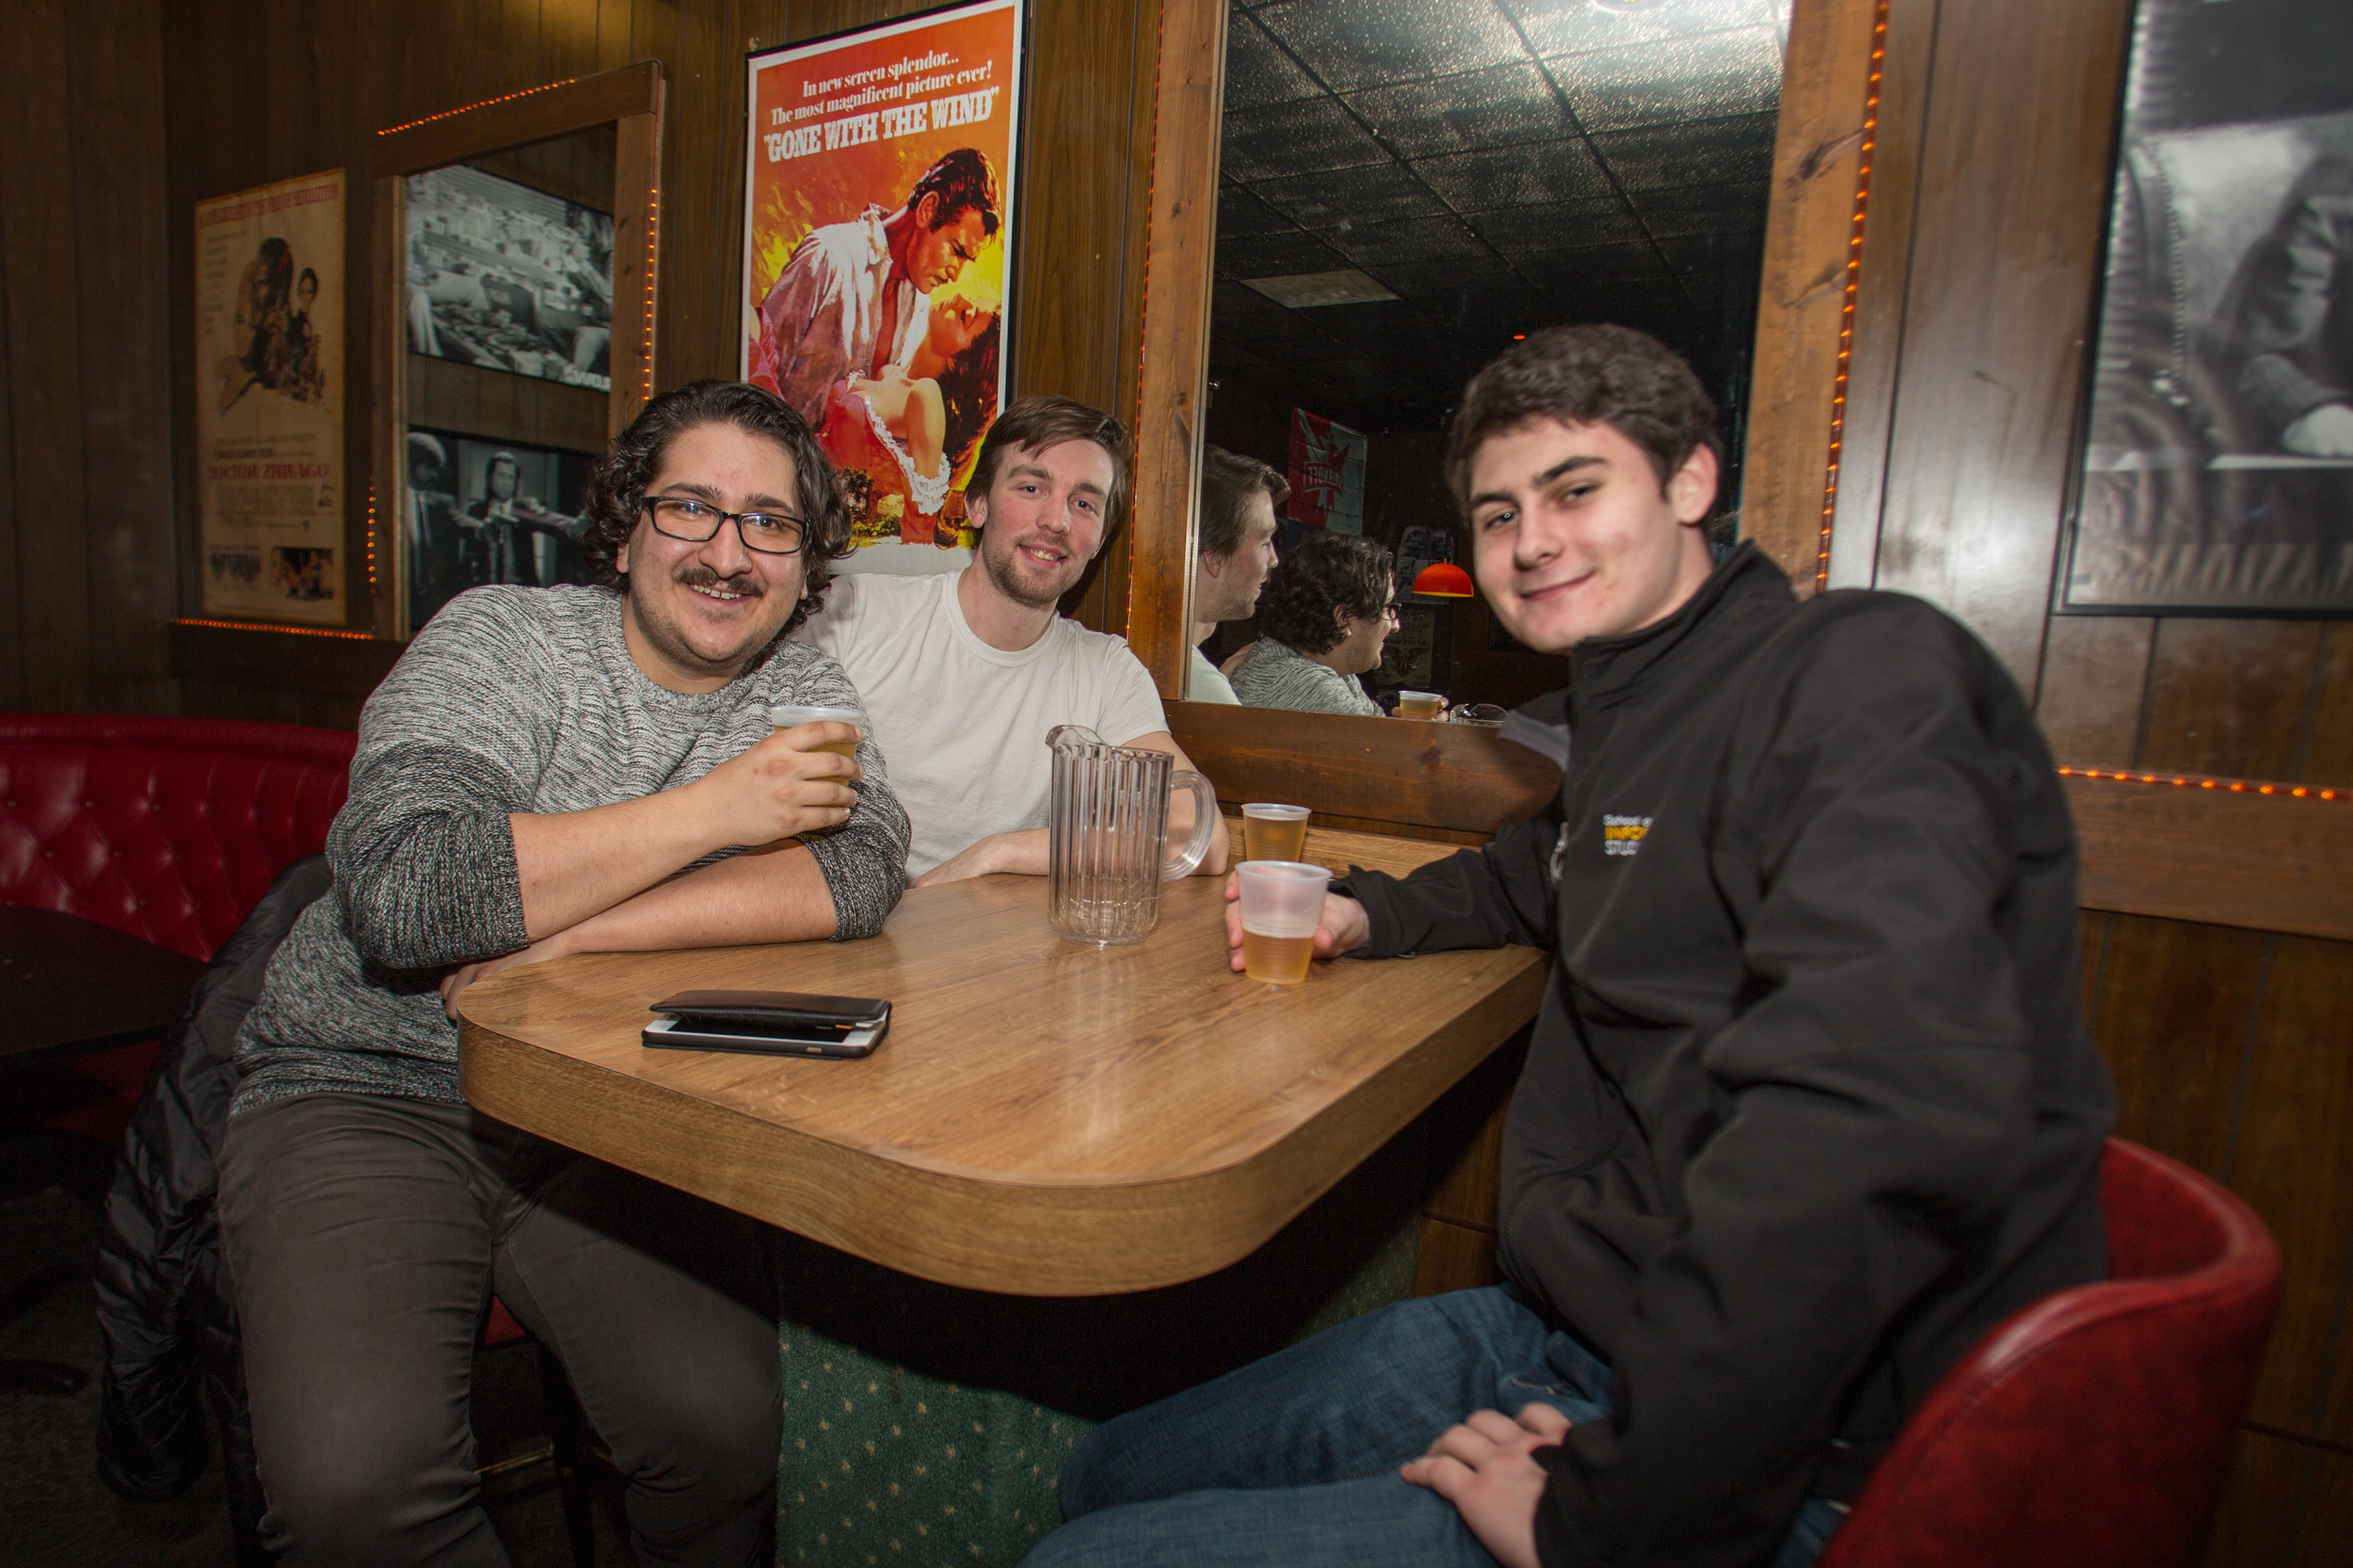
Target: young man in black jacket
(1809, 1106)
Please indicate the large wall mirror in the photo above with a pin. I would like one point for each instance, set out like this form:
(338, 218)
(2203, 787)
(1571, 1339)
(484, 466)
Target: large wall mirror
(1403, 191)
(1358, 204)
(513, 246)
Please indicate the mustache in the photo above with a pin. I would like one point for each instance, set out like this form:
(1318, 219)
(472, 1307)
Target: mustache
(694, 574)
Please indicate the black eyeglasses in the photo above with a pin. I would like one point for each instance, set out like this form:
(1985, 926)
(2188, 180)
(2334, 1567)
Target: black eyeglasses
(682, 517)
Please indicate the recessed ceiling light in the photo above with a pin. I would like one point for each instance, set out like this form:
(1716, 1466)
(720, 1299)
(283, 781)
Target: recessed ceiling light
(1300, 290)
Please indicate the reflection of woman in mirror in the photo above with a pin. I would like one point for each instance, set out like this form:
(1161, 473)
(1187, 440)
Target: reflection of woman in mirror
(911, 427)
(1323, 617)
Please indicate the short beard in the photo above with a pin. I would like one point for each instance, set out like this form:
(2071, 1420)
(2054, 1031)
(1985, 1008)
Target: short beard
(1000, 571)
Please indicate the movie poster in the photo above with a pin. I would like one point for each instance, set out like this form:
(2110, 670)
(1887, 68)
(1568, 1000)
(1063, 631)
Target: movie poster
(484, 511)
(269, 400)
(2217, 476)
(509, 278)
(878, 222)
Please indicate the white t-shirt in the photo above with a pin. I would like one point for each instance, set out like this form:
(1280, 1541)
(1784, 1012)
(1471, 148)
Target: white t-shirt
(1204, 684)
(963, 724)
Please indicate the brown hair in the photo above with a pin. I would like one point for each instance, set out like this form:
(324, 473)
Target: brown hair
(616, 495)
(1046, 420)
(964, 182)
(1228, 480)
(1612, 375)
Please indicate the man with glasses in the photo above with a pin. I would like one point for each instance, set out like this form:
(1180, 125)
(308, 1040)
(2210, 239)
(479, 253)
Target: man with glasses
(548, 771)
(1322, 621)
(964, 674)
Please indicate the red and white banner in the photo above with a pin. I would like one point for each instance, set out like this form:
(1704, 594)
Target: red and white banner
(1327, 473)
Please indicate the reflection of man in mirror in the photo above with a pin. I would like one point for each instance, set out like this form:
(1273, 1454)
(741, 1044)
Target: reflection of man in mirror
(965, 673)
(2296, 326)
(855, 296)
(1810, 1105)
(1238, 496)
(1321, 623)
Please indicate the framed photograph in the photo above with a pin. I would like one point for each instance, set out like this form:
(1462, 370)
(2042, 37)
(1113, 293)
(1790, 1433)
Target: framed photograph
(269, 400)
(484, 511)
(509, 278)
(878, 228)
(2218, 465)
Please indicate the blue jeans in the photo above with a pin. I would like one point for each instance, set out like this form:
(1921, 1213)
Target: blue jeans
(1293, 1461)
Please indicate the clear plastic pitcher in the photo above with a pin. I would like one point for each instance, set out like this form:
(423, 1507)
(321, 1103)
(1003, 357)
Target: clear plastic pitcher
(1107, 834)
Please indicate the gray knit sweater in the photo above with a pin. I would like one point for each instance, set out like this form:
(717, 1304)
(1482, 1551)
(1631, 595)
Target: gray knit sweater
(1273, 675)
(510, 699)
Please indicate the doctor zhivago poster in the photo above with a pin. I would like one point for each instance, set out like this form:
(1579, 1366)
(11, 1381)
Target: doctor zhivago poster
(878, 220)
(269, 400)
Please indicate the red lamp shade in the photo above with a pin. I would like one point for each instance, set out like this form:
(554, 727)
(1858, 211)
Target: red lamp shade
(1443, 580)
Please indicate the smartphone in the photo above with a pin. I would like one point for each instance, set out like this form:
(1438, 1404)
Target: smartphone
(770, 1023)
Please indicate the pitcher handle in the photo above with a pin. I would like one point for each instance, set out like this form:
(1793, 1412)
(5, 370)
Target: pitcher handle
(1205, 821)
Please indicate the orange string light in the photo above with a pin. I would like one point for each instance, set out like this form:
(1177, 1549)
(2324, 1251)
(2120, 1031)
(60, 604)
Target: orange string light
(371, 540)
(1854, 279)
(2204, 781)
(264, 626)
(503, 97)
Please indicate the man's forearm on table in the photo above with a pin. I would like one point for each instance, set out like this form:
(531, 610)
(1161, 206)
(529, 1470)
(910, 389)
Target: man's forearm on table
(773, 894)
(574, 865)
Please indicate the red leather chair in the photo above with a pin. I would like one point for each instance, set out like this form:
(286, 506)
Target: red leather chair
(2094, 1427)
(167, 830)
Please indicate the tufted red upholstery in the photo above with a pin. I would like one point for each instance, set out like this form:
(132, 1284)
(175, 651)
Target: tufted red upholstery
(2093, 1428)
(167, 828)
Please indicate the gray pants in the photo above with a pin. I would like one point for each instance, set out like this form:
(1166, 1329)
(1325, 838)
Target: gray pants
(364, 1235)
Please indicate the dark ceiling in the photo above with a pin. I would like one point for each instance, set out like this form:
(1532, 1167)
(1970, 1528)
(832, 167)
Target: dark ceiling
(1499, 166)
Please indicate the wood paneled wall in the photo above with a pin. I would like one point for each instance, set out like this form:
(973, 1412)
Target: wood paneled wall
(85, 541)
(2232, 1048)
(274, 87)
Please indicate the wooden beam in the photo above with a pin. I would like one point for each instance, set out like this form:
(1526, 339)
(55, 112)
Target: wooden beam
(533, 114)
(2203, 852)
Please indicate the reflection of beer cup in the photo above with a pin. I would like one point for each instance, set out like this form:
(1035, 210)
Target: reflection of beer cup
(785, 715)
(1281, 903)
(1419, 705)
(1273, 832)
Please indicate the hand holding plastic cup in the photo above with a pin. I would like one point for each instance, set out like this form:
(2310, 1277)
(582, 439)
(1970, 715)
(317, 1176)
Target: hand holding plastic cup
(1419, 705)
(1281, 901)
(784, 715)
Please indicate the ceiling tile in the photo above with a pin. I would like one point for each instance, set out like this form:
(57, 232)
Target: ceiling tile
(1713, 151)
(1702, 209)
(1273, 255)
(1707, 78)
(1499, 107)
(1238, 212)
(1294, 138)
(1363, 43)
(1421, 239)
(1511, 176)
(1258, 75)
(1558, 271)
(1380, 193)
(1572, 27)
(1557, 225)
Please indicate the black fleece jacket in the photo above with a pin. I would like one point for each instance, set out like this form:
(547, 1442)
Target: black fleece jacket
(1810, 1105)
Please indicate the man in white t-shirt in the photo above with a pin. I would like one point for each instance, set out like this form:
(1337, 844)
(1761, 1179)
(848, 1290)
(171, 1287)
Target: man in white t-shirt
(1238, 496)
(963, 675)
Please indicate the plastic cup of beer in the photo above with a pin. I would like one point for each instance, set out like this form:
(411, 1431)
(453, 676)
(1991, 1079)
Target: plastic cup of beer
(784, 715)
(1419, 705)
(1270, 832)
(1281, 903)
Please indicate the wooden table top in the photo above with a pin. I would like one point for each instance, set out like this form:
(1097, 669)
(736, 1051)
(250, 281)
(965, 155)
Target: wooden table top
(69, 983)
(1044, 1118)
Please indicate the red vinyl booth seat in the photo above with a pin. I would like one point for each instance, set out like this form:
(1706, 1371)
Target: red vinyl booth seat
(169, 830)
(2093, 1428)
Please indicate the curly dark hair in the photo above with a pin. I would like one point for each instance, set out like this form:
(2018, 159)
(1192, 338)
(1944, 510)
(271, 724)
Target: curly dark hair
(1325, 573)
(963, 181)
(1592, 374)
(967, 392)
(617, 489)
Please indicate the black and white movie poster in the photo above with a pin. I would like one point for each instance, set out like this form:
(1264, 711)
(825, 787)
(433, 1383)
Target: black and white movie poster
(509, 278)
(2217, 476)
(488, 512)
